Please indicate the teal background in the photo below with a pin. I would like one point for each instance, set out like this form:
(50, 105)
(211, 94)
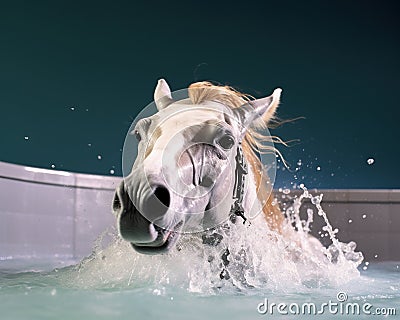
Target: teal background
(337, 61)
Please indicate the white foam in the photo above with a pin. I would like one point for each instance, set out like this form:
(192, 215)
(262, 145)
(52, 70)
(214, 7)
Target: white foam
(259, 258)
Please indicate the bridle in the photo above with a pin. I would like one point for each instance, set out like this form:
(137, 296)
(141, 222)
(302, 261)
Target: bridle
(238, 190)
(237, 210)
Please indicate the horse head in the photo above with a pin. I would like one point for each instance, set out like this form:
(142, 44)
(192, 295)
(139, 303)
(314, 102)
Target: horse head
(183, 177)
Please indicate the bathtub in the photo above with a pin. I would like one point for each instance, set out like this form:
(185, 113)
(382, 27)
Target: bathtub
(47, 213)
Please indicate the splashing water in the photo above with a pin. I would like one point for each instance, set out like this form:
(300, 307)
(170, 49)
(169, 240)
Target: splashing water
(248, 257)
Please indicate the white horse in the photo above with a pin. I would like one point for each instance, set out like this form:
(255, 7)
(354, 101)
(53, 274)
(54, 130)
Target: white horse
(197, 166)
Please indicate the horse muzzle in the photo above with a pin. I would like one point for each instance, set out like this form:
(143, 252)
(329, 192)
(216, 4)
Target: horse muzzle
(145, 223)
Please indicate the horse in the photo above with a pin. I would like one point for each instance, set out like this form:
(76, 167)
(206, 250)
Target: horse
(198, 166)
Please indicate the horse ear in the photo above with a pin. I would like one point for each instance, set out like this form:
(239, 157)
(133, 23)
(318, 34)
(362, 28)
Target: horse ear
(263, 109)
(162, 95)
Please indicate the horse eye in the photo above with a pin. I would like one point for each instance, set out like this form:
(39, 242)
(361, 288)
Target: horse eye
(138, 136)
(226, 142)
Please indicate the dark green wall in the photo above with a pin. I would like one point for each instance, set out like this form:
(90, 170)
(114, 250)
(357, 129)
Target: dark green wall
(337, 61)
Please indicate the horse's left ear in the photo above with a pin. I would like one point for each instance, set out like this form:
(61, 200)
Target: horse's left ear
(261, 109)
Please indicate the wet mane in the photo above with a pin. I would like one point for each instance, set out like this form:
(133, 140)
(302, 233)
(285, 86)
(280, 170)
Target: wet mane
(254, 140)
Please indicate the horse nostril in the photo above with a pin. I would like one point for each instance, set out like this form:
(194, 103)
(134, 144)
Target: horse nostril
(121, 202)
(162, 194)
(116, 203)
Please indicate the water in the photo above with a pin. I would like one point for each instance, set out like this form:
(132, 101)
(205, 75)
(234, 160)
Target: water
(197, 281)
(45, 295)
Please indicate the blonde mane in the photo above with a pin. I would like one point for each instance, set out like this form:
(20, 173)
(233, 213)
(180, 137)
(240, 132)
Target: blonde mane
(254, 140)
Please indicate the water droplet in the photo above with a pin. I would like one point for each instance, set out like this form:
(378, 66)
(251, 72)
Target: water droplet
(26, 138)
(72, 109)
(370, 161)
(286, 191)
(364, 216)
(157, 292)
(350, 221)
(316, 200)
(89, 144)
(99, 157)
(53, 166)
(366, 263)
(112, 171)
(318, 168)
(53, 292)
(365, 268)
(376, 256)
(332, 174)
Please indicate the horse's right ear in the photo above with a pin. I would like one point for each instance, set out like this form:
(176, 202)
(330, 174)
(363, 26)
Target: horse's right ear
(162, 95)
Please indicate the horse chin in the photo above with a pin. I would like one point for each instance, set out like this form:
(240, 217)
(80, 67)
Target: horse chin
(165, 241)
